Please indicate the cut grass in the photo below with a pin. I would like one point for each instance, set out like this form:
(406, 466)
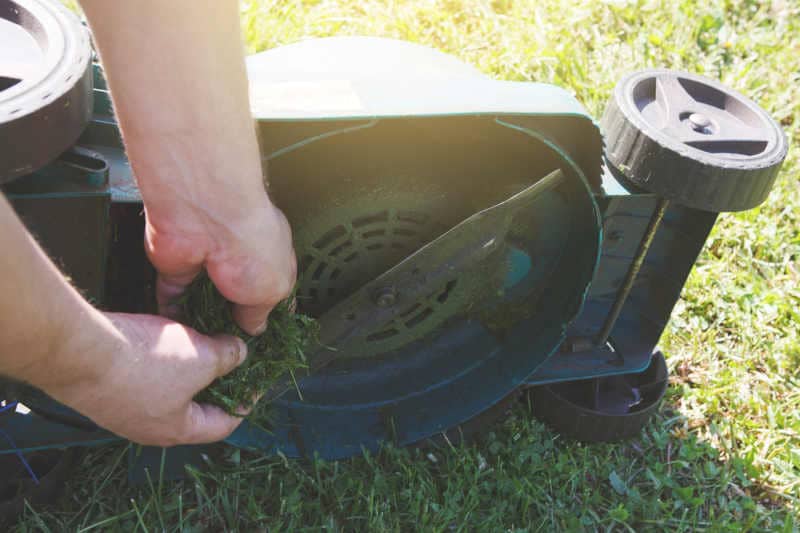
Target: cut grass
(272, 358)
(724, 451)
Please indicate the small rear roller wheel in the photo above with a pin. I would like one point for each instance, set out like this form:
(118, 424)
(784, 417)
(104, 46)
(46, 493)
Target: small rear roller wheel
(692, 140)
(603, 409)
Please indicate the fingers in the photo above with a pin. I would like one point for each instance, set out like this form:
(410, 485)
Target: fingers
(267, 286)
(177, 259)
(255, 281)
(226, 353)
(207, 423)
(169, 287)
(252, 318)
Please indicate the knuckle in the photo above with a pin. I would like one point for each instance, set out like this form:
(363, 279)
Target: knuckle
(172, 252)
(235, 274)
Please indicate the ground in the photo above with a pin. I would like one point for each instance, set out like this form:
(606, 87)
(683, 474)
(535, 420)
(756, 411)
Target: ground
(723, 452)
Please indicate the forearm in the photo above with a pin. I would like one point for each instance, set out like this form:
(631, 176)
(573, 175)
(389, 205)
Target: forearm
(41, 315)
(176, 71)
(177, 76)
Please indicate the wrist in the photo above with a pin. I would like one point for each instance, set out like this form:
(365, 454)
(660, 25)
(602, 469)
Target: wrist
(41, 315)
(207, 224)
(187, 189)
(81, 350)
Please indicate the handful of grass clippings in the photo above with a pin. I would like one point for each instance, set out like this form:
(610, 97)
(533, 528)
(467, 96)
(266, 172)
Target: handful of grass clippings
(272, 356)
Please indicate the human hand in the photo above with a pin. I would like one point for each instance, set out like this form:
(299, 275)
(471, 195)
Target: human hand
(247, 252)
(135, 375)
(145, 371)
(194, 152)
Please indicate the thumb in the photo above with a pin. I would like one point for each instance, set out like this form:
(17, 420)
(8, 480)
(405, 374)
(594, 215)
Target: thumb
(225, 352)
(207, 423)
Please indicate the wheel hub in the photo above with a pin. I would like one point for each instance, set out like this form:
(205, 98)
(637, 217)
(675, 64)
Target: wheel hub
(700, 123)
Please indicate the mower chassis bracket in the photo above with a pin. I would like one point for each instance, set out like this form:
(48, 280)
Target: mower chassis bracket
(633, 271)
(32, 432)
(600, 340)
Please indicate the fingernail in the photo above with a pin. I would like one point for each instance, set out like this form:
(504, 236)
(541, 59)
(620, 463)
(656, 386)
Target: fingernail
(244, 411)
(242, 347)
(261, 329)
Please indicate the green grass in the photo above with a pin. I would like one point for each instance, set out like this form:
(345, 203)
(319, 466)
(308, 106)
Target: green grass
(724, 451)
(273, 355)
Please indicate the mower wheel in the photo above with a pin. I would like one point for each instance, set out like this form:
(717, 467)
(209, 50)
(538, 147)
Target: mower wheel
(45, 84)
(603, 409)
(692, 140)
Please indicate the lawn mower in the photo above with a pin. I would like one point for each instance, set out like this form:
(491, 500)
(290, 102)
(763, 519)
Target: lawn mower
(461, 240)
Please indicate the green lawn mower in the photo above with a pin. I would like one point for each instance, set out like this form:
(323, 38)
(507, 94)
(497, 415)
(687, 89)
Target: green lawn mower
(461, 240)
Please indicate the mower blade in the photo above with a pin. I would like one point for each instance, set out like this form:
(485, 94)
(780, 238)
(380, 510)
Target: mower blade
(422, 272)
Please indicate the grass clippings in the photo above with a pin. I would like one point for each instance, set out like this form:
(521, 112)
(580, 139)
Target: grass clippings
(723, 452)
(272, 356)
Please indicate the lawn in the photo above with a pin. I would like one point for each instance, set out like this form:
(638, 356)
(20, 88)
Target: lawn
(724, 451)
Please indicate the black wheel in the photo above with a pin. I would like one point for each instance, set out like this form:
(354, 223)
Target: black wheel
(603, 409)
(692, 140)
(45, 83)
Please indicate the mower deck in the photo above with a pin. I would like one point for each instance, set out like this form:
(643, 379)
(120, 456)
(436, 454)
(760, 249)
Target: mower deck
(459, 237)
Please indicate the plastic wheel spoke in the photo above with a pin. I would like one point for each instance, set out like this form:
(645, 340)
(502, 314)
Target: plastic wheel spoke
(673, 98)
(730, 129)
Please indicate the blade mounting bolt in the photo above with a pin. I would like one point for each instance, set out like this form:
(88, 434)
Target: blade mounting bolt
(699, 122)
(386, 297)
